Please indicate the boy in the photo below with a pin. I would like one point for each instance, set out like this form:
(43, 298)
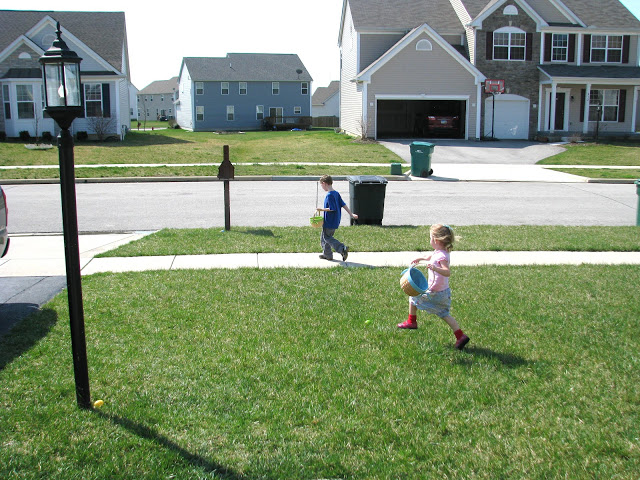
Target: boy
(333, 204)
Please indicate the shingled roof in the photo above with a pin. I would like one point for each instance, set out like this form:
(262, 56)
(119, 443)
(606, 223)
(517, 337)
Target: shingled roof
(247, 67)
(103, 32)
(160, 86)
(322, 94)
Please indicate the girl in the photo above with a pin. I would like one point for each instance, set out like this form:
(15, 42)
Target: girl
(437, 299)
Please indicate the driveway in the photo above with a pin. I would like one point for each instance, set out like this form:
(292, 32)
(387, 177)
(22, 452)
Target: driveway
(505, 152)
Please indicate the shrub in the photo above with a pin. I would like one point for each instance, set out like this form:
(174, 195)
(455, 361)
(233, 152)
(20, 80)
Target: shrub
(47, 137)
(82, 135)
(25, 136)
(3, 136)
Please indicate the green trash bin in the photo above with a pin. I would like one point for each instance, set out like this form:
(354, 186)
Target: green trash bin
(366, 196)
(421, 158)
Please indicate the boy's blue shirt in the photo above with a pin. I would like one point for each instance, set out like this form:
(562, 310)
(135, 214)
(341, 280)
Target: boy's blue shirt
(333, 201)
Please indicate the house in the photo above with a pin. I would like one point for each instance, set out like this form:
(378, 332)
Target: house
(325, 101)
(155, 101)
(419, 68)
(99, 38)
(243, 91)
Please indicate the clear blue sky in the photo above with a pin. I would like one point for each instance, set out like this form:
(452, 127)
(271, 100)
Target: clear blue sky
(160, 34)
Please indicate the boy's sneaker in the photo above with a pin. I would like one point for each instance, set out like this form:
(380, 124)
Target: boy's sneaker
(409, 325)
(324, 257)
(462, 341)
(345, 253)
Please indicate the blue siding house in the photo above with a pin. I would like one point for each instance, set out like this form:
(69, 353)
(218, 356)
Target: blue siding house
(243, 91)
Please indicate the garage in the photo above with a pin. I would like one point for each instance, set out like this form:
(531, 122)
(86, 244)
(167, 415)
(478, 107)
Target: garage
(421, 119)
(511, 119)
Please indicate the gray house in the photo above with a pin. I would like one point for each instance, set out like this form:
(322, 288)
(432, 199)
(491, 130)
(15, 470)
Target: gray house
(420, 68)
(155, 101)
(243, 91)
(99, 38)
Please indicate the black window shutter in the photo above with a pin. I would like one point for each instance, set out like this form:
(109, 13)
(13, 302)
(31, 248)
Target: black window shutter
(583, 93)
(572, 48)
(548, 38)
(586, 49)
(106, 101)
(622, 100)
(529, 47)
(625, 48)
(489, 49)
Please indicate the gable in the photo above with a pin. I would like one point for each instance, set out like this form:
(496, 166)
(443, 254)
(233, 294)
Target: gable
(412, 40)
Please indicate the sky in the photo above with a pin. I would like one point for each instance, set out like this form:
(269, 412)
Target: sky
(161, 34)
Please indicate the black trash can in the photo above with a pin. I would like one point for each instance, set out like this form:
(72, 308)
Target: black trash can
(366, 194)
(421, 158)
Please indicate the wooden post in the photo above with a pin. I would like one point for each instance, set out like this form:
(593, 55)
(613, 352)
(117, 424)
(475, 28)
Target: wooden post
(226, 173)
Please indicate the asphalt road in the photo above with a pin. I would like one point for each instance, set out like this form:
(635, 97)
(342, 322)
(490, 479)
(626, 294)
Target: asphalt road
(150, 206)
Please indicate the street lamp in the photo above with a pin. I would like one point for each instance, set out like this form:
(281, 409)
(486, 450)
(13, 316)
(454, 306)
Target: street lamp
(63, 103)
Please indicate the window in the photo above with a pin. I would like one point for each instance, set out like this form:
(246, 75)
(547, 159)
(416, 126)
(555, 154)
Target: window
(424, 45)
(275, 88)
(93, 99)
(230, 113)
(509, 44)
(151, 98)
(162, 98)
(606, 48)
(199, 88)
(24, 97)
(559, 47)
(259, 112)
(224, 88)
(603, 105)
(242, 88)
(304, 90)
(7, 102)
(199, 114)
(297, 110)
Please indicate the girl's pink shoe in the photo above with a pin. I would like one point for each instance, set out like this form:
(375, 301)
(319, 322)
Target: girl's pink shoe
(408, 324)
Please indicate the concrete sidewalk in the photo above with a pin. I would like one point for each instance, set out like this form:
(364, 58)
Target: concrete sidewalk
(43, 256)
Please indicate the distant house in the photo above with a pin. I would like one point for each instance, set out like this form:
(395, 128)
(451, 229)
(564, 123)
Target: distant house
(156, 100)
(99, 38)
(243, 91)
(419, 68)
(326, 101)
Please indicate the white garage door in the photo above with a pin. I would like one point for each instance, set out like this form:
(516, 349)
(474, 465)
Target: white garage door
(511, 120)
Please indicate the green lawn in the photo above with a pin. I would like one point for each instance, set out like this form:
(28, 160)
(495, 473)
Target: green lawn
(365, 238)
(611, 154)
(296, 373)
(181, 146)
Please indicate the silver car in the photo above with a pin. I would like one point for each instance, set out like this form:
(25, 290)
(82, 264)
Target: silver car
(4, 236)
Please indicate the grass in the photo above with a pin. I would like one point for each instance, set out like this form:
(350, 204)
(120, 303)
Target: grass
(611, 154)
(248, 374)
(180, 146)
(367, 238)
(193, 171)
(605, 173)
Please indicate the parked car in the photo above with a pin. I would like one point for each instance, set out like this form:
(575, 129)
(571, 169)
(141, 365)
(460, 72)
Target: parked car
(4, 236)
(442, 123)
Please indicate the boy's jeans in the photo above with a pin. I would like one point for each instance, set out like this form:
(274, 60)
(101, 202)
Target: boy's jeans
(327, 241)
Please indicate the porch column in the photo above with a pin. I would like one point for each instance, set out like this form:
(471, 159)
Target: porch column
(634, 112)
(587, 98)
(552, 110)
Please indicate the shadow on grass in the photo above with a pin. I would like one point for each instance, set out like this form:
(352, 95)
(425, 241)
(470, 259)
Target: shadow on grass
(147, 433)
(507, 359)
(260, 232)
(25, 334)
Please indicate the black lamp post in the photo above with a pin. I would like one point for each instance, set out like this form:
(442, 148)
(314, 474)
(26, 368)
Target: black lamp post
(63, 102)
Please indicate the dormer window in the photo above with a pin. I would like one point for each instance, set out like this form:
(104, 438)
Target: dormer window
(509, 43)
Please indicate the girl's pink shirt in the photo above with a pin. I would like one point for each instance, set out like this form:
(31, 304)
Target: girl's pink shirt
(438, 282)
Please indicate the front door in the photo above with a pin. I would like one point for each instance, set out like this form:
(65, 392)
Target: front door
(560, 121)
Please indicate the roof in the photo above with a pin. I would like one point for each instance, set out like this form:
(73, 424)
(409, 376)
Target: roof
(322, 94)
(23, 73)
(600, 72)
(103, 32)
(248, 67)
(160, 87)
(603, 14)
(404, 15)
